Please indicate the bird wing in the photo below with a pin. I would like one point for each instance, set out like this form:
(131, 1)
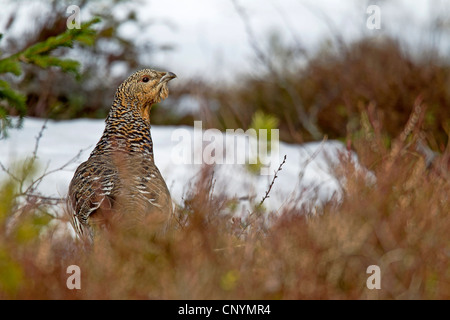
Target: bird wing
(149, 185)
(93, 186)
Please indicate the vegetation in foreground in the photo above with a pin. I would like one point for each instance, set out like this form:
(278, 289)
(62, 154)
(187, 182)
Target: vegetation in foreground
(390, 108)
(400, 223)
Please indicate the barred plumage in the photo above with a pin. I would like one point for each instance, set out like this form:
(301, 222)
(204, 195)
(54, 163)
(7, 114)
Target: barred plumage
(120, 175)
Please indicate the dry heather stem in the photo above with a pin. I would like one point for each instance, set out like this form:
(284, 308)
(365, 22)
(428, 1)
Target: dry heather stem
(400, 224)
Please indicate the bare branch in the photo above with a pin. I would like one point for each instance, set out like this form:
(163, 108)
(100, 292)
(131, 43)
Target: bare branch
(273, 181)
(9, 173)
(38, 138)
(252, 216)
(33, 186)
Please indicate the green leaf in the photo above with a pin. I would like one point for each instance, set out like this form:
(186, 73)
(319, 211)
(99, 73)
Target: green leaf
(261, 120)
(14, 99)
(39, 55)
(10, 66)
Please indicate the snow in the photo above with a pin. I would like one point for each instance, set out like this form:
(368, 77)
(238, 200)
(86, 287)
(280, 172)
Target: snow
(306, 180)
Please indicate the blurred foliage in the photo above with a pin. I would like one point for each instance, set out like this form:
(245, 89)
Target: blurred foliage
(400, 223)
(371, 93)
(215, 249)
(312, 95)
(331, 89)
(266, 123)
(103, 65)
(39, 55)
(22, 221)
(262, 121)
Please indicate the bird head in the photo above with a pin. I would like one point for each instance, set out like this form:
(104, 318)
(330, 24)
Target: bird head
(144, 88)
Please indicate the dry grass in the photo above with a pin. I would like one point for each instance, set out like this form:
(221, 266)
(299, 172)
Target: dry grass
(371, 93)
(400, 223)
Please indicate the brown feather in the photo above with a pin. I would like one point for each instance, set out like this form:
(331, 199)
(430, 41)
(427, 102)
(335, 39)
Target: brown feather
(120, 177)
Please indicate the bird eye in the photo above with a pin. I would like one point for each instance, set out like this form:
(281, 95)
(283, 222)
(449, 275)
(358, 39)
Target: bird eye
(145, 79)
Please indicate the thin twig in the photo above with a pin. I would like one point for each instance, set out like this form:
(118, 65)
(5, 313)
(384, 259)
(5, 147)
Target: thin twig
(266, 195)
(38, 138)
(273, 181)
(9, 173)
(46, 200)
(37, 181)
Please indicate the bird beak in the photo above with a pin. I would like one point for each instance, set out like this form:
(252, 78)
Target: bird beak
(167, 77)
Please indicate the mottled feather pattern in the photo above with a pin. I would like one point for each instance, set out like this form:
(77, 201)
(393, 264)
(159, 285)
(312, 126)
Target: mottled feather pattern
(120, 175)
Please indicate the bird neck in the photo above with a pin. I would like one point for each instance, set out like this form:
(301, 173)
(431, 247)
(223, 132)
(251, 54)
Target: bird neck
(126, 130)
